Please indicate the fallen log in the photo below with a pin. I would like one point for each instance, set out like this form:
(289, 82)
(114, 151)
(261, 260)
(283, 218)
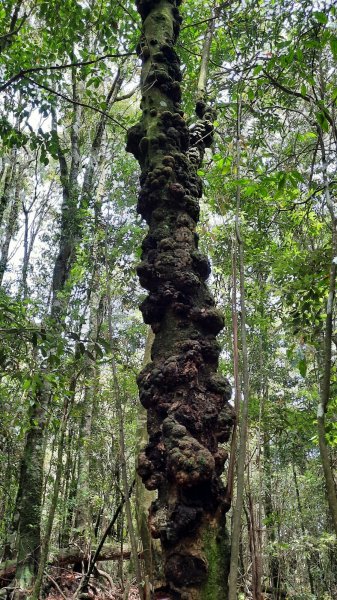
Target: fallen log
(73, 555)
(66, 557)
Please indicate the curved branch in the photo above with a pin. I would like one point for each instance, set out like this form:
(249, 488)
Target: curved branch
(22, 74)
(84, 104)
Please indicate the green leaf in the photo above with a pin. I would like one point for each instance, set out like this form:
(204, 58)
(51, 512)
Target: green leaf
(321, 17)
(257, 69)
(333, 46)
(302, 366)
(322, 120)
(309, 135)
(282, 181)
(26, 384)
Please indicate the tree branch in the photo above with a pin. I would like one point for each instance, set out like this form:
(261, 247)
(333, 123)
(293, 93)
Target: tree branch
(96, 555)
(287, 90)
(24, 72)
(128, 94)
(198, 23)
(84, 104)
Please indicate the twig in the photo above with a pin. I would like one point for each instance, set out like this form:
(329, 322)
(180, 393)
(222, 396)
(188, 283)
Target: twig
(128, 94)
(84, 104)
(285, 89)
(106, 576)
(94, 559)
(24, 72)
(56, 585)
(199, 23)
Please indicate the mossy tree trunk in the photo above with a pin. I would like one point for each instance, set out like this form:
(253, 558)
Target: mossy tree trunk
(325, 359)
(152, 563)
(11, 197)
(28, 503)
(186, 400)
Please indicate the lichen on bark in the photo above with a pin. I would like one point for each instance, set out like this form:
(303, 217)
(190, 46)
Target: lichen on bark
(187, 402)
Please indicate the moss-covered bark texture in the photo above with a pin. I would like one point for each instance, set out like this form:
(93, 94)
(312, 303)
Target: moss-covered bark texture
(186, 400)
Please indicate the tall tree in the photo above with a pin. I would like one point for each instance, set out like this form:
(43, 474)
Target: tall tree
(186, 400)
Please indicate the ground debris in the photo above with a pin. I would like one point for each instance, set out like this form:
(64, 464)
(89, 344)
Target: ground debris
(68, 583)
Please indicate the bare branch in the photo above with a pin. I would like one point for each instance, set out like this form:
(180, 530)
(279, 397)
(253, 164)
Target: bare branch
(22, 74)
(84, 104)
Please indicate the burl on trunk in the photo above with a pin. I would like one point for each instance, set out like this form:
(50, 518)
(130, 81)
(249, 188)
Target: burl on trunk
(186, 400)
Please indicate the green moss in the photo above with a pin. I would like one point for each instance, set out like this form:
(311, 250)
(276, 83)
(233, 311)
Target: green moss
(217, 552)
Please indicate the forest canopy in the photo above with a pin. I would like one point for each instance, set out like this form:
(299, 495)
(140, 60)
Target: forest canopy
(168, 257)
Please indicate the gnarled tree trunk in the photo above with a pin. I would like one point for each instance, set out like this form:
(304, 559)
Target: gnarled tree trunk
(186, 400)
(152, 563)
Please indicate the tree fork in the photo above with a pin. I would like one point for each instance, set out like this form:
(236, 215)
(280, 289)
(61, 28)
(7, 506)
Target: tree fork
(186, 400)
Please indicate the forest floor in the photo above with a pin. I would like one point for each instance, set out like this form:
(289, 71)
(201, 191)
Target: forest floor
(63, 587)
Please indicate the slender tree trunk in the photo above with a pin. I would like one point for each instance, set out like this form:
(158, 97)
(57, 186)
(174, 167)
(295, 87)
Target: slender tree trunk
(25, 253)
(95, 151)
(274, 563)
(31, 231)
(53, 504)
(70, 497)
(237, 383)
(186, 401)
(12, 25)
(7, 176)
(83, 514)
(326, 351)
(11, 226)
(29, 501)
(300, 511)
(120, 416)
(255, 548)
(237, 510)
(6, 503)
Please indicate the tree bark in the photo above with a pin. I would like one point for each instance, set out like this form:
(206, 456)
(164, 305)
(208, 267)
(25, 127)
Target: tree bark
(83, 513)
(28, 504)
(144, 498)
(237, 382)
(121, 439)
(300, 512)
(326, 362)
(187, 401)
(49, 525)
(275, 571)
(7, 176)
(245, 371)
(12, 223)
